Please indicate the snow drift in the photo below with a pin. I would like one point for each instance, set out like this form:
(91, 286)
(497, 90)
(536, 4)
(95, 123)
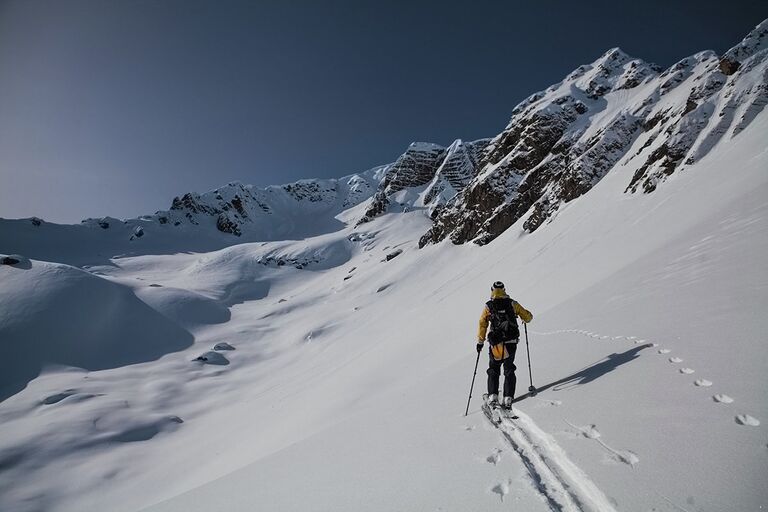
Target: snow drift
(54, 314)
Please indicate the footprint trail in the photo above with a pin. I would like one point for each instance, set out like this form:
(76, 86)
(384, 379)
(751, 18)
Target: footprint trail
(626, 456)
(746, 419)
(629, 457)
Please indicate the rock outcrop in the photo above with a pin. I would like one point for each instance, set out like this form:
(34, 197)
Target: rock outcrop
(616, 112)
(443, 171)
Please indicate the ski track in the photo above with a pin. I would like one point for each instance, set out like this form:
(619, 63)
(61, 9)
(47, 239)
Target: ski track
(563, 484)
(741, 419)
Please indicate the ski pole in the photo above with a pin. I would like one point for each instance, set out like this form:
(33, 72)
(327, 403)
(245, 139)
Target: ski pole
(473, 384)
(531, 388)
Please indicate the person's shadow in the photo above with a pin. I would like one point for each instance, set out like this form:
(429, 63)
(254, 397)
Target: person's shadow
(590, 373)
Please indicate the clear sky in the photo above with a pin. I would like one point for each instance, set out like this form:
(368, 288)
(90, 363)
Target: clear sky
(114, 107)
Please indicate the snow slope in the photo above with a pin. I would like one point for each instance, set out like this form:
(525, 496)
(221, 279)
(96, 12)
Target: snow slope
(55, 314)
(234, 213)
(615, 112)
(345, 380)
(624, 311)
(322, 363)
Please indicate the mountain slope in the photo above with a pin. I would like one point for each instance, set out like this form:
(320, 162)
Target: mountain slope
(612, 393)
(331, 372)
(336, 369)
(617, 111)
(443, 171)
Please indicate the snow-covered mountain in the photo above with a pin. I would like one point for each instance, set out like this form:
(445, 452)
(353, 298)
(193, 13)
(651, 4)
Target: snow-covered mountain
(294, 348)
(616, 112)
(231, 214)
(426, 175)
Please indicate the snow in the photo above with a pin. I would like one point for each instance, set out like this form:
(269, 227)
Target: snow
(57, 314)
(615, 112)
(184, 373)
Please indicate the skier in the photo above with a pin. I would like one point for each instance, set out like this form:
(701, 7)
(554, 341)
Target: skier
(502, 312)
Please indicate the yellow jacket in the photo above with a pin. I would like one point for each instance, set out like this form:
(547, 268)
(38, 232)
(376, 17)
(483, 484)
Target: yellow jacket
(499, 352)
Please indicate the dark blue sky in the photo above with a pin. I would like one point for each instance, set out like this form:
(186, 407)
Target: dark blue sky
(112, 108)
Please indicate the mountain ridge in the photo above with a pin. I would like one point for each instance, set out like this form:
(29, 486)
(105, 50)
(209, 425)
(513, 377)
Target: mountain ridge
(559, 143)
(617, 111)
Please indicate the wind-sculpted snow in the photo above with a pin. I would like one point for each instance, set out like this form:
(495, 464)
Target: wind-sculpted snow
(55, 314)
(187, 308)
(204, 285)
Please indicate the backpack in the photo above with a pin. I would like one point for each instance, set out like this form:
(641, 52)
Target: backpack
(503, 321)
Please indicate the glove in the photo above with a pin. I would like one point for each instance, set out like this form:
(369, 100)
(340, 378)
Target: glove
(479, 347)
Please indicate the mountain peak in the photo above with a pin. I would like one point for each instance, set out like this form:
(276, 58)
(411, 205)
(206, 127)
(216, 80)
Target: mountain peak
(754, 42)
(424, 146)
(617, 112)
(615, 54)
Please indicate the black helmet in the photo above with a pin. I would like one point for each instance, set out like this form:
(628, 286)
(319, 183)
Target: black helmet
(498, 285)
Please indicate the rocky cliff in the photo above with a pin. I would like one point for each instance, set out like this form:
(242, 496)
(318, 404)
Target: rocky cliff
(443, 171)
(617, 111)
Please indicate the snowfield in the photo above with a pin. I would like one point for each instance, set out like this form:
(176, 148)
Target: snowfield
(292, 348)
(340, 377)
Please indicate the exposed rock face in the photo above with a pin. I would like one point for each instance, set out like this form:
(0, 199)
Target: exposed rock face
(756, 41)
(459, 166)
(229, 212)
(729, 67)
(394, 254)
(226, 225)
(617, 111)
(138, 232)
(237, 209)
(617, 114)
(444, 172)
(15, 260)
(547, 154)
(719, 89)
(413, 168)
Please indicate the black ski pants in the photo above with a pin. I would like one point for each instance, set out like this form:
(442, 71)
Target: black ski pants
(494, 370)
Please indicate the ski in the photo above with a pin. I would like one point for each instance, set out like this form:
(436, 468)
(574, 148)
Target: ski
(507, 412)
(497, 413)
